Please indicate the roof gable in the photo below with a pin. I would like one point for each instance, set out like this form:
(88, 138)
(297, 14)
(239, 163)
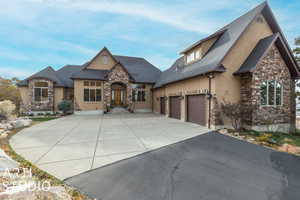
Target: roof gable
(97, 64)
(47, 73)
(212, 61)
(261, 49)
(123, 68)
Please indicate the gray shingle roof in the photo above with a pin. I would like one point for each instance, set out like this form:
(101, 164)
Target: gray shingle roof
(258, 52)
(91, 74)
(48, 73)
(139, 68)
(262, 48)
(212, 60)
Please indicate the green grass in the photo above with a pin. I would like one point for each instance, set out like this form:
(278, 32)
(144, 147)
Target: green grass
(42, 119)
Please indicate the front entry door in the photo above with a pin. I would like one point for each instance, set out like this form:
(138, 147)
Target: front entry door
(118, 97)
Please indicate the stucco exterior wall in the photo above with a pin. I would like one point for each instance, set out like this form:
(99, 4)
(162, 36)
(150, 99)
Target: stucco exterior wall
(97, 62)
(183, 88)
(79, 103)
(58, 97)
(145, 105)
(227, 85)
(157, 93)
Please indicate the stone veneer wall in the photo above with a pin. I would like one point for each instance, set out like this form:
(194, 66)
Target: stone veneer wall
(41, 106)
(117, 75)
(271, 67)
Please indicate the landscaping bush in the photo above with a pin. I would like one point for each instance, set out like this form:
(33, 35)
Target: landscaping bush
(7, 108)
(237, 113)
(65, 106)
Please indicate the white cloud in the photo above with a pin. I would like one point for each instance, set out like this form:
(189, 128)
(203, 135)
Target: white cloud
(9, 72)
(195, 18)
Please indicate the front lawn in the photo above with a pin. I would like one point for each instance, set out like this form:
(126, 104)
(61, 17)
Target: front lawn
(42, 119)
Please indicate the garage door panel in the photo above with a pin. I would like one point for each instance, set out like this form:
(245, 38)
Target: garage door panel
(175, 107)
(196, 112)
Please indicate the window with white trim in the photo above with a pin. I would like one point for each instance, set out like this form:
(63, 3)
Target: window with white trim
(271, 93)
(40, 91)
(198, 54)
(190, 57)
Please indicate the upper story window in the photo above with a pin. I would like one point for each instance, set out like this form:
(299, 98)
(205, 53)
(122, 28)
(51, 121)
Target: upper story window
(193, 56)
(198, 54)
(40, 91)
(190, 57)
(271, 93)
(104, 59)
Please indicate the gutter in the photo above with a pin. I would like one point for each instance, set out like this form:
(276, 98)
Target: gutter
(210, 77)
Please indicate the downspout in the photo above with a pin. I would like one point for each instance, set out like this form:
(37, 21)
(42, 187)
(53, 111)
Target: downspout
(210, 77)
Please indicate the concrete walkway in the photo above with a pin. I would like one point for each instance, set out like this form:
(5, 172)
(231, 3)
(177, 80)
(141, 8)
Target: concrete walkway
(71, 145)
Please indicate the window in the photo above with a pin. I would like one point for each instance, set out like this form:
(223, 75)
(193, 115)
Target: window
(92, 92)
(271, 93)
(198, 54)
(92, 95)
(40, 91)
(194, 55)
(138, 86)
(190, 57)
(104, 59)
(86, 83)
(138, 95)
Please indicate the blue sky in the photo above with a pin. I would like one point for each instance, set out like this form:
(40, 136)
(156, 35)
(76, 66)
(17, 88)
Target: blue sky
(38, 33)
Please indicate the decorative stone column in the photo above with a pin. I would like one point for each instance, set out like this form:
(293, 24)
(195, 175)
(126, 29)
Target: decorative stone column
(41, 106)
(117, 75)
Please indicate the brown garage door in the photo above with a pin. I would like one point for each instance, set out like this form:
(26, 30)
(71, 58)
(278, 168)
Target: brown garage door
(196, 109)
(162, 106)
(175, 107)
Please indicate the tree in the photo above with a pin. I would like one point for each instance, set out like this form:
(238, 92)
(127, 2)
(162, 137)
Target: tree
(238, 113)
(9, 91)
(296, 51)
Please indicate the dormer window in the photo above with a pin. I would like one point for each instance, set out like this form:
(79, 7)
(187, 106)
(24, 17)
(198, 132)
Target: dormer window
(104, 59)
(190, 57)
(198, 54)
(193, 56)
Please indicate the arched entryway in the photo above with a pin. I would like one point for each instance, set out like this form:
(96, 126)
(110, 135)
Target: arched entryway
(118, 94)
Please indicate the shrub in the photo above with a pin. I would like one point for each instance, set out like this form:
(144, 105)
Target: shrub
(7, 108)
(237, 113)
(65, 106)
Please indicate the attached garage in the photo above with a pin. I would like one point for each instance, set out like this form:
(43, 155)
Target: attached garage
(162, 105)
(175, 107)
(196, 109)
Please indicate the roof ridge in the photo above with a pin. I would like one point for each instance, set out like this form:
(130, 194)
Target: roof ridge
(224, 28)
(130, 56)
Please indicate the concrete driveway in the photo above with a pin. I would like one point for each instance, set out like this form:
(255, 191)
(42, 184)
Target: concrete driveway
(207, 167)
(71, 145)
